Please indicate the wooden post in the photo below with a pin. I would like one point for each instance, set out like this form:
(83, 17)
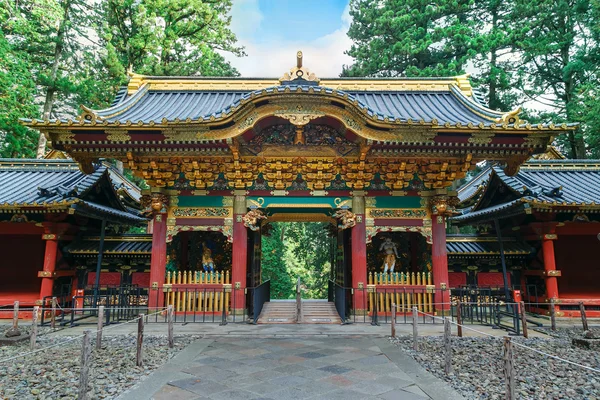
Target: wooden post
(86, 352)
(53, 316)
(583, 316)
(523, 319)
(552, 315)
(509, 370)
(458, 319)
(34, 327)
(415, 332)
(447, 347)
(15, 324)
(393, 320)
(140, 340)
(100, 326)
(170, 325)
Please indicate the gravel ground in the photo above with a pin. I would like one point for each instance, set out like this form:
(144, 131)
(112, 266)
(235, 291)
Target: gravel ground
(478, 367)
(54, 373)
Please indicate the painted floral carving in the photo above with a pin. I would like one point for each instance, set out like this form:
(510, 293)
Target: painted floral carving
(398, 213)
(201, 212)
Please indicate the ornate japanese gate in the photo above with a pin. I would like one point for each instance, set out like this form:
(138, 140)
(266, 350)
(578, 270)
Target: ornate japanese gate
(219, 154)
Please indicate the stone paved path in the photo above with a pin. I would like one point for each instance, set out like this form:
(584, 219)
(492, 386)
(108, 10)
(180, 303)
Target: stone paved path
(287, 368)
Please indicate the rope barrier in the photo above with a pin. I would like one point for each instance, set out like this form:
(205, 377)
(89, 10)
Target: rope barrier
(77, 337)
(514, 342)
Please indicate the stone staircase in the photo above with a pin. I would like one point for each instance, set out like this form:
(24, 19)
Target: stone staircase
(313, 312)
(278, 312)
(319, 312)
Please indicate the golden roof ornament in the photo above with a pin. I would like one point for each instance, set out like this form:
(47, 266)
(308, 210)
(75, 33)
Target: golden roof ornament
(299, 72)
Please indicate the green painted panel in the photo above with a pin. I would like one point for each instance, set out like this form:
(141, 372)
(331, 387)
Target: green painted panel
(308, 201)
(200, 201)
(398, 202)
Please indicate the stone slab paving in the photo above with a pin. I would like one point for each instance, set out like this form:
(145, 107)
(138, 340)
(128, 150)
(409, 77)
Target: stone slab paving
(340, 367)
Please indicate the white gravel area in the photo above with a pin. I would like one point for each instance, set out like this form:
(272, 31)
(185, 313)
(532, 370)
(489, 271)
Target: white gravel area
(54, 373)
(478, 366)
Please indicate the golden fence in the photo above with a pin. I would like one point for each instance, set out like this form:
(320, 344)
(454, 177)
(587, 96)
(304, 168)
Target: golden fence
(195, 291)
(406, 290)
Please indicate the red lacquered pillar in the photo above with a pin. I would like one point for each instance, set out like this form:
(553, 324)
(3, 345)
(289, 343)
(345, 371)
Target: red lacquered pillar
(239, 257)
(158, 260)
(47, 274)
(439, 263)
(550, 271)
(359, 253)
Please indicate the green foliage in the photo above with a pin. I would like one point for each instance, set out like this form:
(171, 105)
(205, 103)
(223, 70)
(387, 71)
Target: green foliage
(273, 263)
(410, 37)
(296, 250)
(16, 94)
(58, 54)
(561, 53)
(166, 37)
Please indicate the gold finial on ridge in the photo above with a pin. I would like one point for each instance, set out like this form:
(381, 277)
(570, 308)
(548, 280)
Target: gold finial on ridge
(299, 72)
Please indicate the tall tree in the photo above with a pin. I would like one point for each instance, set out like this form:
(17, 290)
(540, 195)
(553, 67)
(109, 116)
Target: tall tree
(410, 37)
(561, 54)
(498, 61)
(165, 37)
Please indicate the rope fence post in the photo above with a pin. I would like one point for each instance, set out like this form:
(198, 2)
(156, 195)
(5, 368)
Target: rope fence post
(459, 319)
(86, 351)
(415, 330)
(552, 315)
(393, 320)
(509, 369)
(170, 325)
(100, 327)
(14, 330)
(523, 319)
(583, 316)
(140, 340)
(53, 315)
(34, 327)
(447, 347)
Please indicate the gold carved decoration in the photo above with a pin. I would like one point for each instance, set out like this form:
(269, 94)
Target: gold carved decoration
(279, 173)
(299, 72)
(481, 138)
(184, 135)
(318, 173)
(403, 213)
(298, 114)
(118, 135)
(154, 203)
(511, 117)
(210, 212)
(415, 135)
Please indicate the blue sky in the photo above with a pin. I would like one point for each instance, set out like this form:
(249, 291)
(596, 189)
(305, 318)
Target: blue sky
(273, 30)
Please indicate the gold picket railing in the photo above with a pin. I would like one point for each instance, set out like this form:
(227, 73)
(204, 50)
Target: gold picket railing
(406, 290)
(195, 291)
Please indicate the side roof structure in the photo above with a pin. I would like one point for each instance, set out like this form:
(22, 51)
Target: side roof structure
(542, 185)
(57, 185)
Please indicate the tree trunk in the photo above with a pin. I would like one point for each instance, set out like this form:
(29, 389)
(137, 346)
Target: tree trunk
(493, 82)
(51, 90)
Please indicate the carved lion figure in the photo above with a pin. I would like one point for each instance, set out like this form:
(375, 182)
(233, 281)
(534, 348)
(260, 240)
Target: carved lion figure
(347, 218)
(251, 219)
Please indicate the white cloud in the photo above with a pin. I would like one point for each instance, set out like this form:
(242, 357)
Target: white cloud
(323, 56)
